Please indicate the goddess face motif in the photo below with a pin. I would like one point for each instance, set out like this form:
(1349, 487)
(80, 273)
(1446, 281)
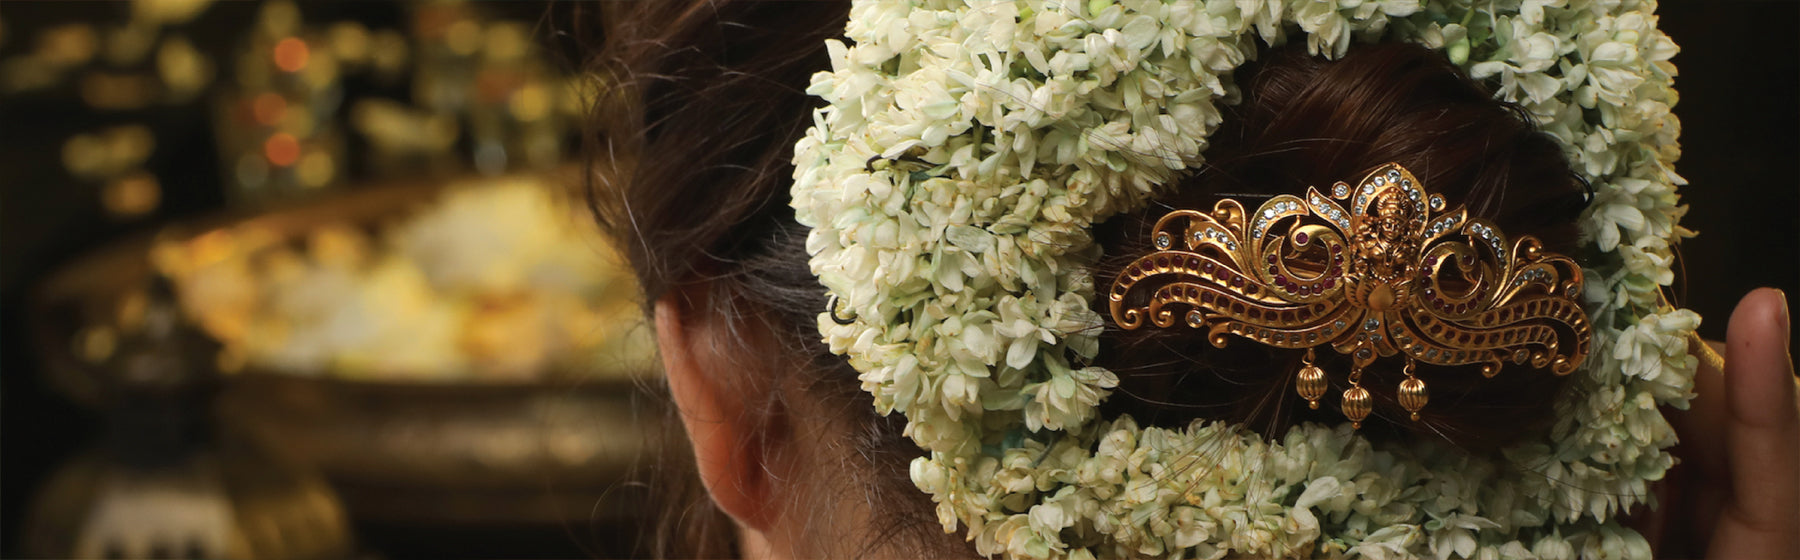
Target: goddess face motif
(1390, 217)
(1384, 243)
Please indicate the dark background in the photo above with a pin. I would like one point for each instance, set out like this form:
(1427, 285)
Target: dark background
(1740, 112)
(1740, 118)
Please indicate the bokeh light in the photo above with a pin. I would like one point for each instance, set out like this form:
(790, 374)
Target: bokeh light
(282, 149)
(291, 54)
(269, 108)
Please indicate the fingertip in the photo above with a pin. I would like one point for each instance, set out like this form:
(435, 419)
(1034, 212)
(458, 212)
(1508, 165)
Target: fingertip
(1759, 370)
(1762, 313)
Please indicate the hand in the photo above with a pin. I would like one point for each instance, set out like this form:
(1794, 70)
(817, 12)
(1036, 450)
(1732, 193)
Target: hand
(1737, 493)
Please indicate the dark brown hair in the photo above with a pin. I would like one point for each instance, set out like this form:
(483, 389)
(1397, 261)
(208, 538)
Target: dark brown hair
(691, 173)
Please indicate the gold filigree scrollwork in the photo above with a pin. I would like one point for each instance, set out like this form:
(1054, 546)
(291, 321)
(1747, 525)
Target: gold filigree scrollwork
(1374, 270)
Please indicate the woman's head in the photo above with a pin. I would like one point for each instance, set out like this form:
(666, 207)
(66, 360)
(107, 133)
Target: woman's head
(695, 188)
(691, 169)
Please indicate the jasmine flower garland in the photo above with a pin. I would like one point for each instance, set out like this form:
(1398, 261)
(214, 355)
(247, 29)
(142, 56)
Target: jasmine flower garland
(967, 149)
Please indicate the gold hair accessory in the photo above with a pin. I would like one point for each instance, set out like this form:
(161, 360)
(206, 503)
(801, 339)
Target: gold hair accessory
(1396, 273)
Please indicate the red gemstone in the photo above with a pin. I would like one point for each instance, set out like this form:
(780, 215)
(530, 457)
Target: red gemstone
(1301, 237)
(1206, 297)
(1237, 281)
(1329, 282)
(1271, 259)
(1208, 267)
(1273, 270)
(1432, 261)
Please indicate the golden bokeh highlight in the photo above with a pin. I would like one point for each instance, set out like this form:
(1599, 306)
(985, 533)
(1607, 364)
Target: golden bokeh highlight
(107, 153)
(68, 45)
(131, 196)
(315, 170)
(349, 41)
(463, 37)
(110, 91)
(183, 69)
(530, 103)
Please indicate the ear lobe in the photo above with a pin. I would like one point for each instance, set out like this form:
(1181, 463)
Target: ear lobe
(729, 450)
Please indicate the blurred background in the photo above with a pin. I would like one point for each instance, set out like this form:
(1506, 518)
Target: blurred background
(311, 280)
(315, 279)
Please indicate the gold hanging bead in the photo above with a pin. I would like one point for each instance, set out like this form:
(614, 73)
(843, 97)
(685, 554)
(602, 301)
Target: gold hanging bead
(1310, 382)
(1413, 395)
(1357, 405)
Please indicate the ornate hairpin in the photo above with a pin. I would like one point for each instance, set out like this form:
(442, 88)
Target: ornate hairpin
(1393, 273)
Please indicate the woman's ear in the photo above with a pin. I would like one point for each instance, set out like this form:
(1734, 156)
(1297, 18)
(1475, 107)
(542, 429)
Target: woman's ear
(716, 400)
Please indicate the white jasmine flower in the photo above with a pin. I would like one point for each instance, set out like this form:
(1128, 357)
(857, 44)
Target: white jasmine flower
(968, 278)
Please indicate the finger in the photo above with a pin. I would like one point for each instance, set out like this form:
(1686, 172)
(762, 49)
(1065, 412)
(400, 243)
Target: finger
(1762, 434)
